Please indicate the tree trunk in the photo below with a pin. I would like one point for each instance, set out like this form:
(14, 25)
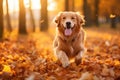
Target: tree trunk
(1, 19)
(69, 5)
(9, 28)
(87, 13)
(113, 22)
(96, 12)
(44, 16)
(113, 17)
(32, 16)
(22, 18)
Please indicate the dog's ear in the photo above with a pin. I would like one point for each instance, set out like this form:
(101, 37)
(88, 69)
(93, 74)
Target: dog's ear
(57, 19)
(80, 19)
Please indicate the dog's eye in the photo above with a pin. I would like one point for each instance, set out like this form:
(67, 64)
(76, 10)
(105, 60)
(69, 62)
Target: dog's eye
(72, 18)
(64, 17)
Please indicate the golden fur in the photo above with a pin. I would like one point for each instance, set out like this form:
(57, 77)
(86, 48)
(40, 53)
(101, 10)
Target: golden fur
(72, 46)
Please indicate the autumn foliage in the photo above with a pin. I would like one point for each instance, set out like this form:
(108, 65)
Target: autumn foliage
(31, 58)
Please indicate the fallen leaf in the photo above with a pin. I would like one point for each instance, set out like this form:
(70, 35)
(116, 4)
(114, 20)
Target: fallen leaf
(107, 43)
(6, 68)
(86, 76)
(105, 71)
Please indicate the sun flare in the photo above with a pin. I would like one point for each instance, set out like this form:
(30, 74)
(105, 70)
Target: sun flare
(13, 5)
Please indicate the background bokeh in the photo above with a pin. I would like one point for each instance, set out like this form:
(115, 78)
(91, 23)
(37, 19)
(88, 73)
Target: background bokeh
(37, 15)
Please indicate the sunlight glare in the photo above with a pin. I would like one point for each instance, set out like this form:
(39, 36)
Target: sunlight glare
(112, 15)
(35, 4)
(26, 3)
(14, 5)
(51, 5)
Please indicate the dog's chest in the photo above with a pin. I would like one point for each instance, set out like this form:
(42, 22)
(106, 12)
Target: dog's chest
(73, 47)
(70, 46)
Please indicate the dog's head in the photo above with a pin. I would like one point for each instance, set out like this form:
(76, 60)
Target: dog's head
(69, 22)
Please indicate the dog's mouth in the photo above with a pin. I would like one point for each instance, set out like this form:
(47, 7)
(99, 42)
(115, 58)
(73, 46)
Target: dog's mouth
(68, 29)
(68, 32)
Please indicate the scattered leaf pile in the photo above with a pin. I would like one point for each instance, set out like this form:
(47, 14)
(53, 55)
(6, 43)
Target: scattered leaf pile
(32, 59)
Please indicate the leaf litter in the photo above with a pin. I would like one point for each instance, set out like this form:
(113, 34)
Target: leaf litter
(33, 59)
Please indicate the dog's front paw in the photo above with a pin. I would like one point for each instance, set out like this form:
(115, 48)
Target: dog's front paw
(63, 58)
(78, 58)
(65, 64)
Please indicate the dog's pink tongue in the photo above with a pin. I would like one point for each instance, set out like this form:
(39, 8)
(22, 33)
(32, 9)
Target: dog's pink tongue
(68, 32)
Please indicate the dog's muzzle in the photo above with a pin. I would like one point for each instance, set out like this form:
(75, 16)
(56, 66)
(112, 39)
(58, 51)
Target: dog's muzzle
(68, 25)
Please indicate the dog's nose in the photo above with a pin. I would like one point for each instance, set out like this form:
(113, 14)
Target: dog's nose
(68, 24)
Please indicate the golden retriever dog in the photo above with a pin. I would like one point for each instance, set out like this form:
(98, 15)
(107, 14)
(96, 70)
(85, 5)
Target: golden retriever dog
(69, 41)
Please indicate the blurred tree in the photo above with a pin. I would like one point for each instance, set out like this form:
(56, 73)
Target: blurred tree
(66, 5)
(113, 17)
(1, 19)
(44, 16)
(113, 22)
(9, 28)
(110, 10)
(22, 18)
(69, 5)
(31, 15)
(87, 13)
(96, 12)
